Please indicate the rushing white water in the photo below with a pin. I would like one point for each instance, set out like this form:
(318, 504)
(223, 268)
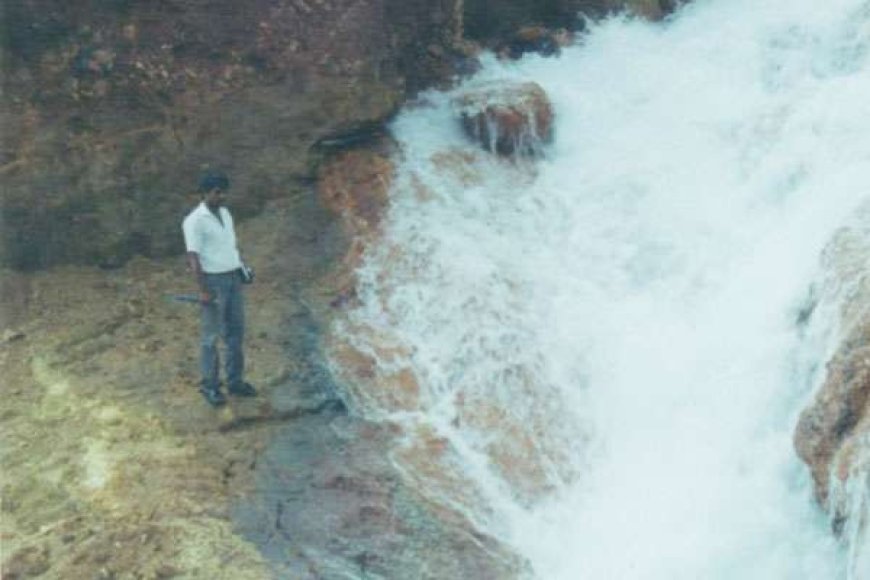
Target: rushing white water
(647, 275)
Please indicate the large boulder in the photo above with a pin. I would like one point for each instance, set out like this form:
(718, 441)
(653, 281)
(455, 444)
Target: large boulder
(833, 433)
(507, 118)
(111, 109)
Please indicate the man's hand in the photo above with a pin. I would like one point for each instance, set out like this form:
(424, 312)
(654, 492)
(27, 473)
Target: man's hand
(205, 297)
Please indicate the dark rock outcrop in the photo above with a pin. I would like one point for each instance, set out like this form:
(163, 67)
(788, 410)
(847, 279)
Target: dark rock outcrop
(491, 21)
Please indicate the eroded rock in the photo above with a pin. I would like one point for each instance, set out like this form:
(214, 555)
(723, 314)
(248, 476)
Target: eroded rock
(354, 186)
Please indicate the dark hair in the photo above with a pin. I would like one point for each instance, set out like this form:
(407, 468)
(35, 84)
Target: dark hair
(213, 180)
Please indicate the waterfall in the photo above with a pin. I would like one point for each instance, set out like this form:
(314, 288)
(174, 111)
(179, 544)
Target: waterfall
(604, 343)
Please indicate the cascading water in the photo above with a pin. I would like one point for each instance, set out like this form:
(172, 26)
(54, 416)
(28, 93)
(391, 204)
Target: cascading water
(607, 337)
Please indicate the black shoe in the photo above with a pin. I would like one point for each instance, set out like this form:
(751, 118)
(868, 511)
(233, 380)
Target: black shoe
(213, 396)
(242, 390)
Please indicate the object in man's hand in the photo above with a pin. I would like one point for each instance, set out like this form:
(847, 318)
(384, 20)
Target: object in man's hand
(190, 298)
(247, 274)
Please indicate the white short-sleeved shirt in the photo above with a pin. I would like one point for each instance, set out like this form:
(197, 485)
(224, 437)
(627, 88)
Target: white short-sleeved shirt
(215, 243)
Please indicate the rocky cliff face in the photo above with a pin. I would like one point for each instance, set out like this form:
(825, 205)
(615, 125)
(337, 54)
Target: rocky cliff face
(111, 109)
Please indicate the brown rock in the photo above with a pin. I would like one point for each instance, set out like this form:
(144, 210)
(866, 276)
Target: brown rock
(827, 425)
(355, 185)
(525, 447)
(833, 432)
(509, 119)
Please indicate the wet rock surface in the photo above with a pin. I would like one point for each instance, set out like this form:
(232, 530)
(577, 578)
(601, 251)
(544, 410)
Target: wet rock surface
(329, 503)
(832, 435)
(508, 119)
(354, 186)
(828, 430)
(375, 368)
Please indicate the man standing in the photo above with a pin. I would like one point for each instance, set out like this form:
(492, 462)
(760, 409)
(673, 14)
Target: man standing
(213, 256)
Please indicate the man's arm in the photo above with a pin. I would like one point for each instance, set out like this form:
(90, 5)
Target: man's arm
(232, 223)
(195, 267)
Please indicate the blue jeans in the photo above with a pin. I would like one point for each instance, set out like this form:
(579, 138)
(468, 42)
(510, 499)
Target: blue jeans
(223, 318)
